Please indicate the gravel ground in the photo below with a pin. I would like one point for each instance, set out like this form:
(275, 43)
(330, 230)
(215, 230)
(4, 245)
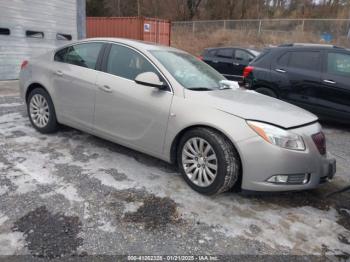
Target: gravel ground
(71, 193)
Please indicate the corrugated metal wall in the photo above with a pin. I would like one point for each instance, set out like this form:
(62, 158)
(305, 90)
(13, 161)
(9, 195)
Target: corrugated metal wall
(49, 16)
(140, 28)
(159, 32)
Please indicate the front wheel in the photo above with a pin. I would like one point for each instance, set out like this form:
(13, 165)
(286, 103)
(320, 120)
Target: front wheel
(41, 111)
(208, 161)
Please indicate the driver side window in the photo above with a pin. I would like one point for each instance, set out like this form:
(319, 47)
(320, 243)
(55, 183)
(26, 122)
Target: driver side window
(127, 63)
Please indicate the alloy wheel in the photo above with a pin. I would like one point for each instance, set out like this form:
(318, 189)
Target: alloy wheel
(39, 111)
(199, 162)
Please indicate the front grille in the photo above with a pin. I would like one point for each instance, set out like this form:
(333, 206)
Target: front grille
(297, 179)
(320, 142)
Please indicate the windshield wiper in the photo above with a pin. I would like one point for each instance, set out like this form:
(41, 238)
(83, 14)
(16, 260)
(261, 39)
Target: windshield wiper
(200, 89)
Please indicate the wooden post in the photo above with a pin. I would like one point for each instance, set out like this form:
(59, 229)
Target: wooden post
(260, 24)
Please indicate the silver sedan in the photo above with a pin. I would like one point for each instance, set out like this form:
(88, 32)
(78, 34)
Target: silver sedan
(168, 104)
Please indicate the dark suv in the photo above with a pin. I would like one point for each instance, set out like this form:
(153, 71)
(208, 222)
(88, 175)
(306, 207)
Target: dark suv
(315, 77)
(229, 61)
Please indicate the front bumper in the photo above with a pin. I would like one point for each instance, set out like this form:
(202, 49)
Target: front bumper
(261, 161)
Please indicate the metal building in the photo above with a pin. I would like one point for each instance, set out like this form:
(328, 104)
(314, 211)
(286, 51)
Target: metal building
(31, 27)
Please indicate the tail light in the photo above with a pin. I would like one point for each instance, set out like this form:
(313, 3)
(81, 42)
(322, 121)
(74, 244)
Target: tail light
(247, 71)
(320, 142)
(24, 64)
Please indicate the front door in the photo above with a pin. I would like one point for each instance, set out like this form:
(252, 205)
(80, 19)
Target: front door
(129, 113)
(334, 94)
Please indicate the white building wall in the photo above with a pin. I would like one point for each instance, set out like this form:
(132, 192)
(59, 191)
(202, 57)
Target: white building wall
(47, 16)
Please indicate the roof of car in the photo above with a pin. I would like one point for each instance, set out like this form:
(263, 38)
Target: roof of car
(225, 47)
(133, 43)
(309, 45)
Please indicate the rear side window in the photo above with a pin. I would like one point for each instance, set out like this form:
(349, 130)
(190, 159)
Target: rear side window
(34, 34)
(60, 55)
(225, 53)
(127, 63)
(309, 60)
(338, 64)
(84, 55)
(4, 31)
(283, 60)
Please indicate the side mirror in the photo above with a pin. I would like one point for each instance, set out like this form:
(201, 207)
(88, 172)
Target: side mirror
(149, 79)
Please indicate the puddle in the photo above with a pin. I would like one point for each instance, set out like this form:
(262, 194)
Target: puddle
(50, 235)
(145, 208)
(155, 212)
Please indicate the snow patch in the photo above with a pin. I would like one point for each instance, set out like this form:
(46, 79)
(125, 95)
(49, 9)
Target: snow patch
(107, 227)
(132, 207)
(11, 243)
(3, 190)
(3, 219)
(6, 105)
(69, 192)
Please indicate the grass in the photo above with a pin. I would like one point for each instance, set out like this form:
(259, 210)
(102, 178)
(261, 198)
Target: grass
(195, 43)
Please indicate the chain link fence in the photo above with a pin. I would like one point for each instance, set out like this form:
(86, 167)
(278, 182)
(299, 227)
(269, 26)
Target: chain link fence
(258, 33)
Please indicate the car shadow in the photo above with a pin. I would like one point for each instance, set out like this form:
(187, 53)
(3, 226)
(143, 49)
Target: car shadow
(114, 147)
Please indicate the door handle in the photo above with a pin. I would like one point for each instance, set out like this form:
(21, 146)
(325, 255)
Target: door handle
(59, 73)
(329, 82)
(280, 70)
(215, 61)
(105, 88)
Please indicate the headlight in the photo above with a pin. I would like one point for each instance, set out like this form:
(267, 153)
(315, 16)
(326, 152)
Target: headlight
(278, 136)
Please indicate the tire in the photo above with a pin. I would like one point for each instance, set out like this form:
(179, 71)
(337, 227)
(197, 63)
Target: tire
(266, 91)
(39, 98)
(227, 161)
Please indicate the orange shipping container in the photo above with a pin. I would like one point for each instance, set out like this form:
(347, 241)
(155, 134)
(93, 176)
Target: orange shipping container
(139, 28)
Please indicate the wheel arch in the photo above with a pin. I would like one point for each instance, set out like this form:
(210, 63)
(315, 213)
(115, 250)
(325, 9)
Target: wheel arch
(31, 87)
(176, 141)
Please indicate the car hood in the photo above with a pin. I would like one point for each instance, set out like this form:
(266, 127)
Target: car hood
(250, 105)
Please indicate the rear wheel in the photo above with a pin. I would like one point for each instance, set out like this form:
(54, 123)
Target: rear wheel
(208, 161)
(266, 91)
(41, 111)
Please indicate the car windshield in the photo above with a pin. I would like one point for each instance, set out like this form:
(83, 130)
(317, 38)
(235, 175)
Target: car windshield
(189, 71)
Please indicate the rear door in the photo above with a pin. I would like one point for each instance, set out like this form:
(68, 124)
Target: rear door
(74, 79)
(241, 59)
(333, 97)
(298, 76)
(223, 62)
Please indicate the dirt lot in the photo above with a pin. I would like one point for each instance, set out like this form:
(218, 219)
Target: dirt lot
(74, 194)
